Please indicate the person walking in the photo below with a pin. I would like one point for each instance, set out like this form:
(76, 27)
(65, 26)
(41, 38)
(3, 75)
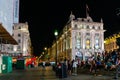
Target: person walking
(43, 65)
(117, 68)
(74, 66)
(69, 67)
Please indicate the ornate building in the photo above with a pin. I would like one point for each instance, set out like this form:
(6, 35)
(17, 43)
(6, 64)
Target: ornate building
(80, 38)
(110, 42)
(22, 36)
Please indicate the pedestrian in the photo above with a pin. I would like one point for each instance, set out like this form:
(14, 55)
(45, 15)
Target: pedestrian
(43, 64)
(74, 66)
(69, 67)
(93, 66)
(117, 68)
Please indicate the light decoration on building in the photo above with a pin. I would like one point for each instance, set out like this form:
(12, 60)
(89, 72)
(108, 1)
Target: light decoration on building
(110, 42)
(87, 40)
(88, 44)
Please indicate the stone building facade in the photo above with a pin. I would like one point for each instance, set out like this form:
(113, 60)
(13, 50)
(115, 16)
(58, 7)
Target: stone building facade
(80, 38)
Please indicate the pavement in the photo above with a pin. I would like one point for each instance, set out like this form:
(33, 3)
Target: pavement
(40, 73)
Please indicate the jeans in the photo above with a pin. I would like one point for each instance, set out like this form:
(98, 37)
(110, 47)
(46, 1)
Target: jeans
(117, 71)
(75, 70)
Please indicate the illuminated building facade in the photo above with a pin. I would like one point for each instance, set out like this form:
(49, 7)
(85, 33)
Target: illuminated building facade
(22, 36)
(110, 42)
(9, 13)
(80, 38)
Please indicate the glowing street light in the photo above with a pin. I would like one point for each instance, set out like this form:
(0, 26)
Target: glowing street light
(56, 34)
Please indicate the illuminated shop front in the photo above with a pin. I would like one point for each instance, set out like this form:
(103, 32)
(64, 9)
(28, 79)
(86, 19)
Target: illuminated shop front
(110, 42)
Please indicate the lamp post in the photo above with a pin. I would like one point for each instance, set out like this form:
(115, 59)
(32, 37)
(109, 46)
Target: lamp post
(56, 34)
(46, 53)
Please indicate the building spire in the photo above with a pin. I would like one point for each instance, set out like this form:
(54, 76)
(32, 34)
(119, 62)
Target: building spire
(71, 16)
(87, 13)
(101, 20)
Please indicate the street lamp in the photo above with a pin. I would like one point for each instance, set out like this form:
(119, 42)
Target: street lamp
(46, 53)
(56, 34)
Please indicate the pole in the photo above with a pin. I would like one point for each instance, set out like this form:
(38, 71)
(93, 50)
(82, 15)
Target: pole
(56, 34)
(56, 52)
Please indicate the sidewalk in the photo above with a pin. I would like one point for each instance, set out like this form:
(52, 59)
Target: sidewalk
(88, 77)
(100, 72)
(85, 75)
(39, 73)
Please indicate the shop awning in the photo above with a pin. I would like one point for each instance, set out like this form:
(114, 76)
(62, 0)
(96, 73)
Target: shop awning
(6, 38)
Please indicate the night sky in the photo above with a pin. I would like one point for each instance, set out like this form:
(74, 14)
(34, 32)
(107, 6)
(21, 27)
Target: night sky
(44, 16)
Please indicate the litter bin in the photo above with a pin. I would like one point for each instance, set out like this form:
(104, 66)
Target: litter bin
(0, 64)
(20, 64)
(6, 64)
(62, 71)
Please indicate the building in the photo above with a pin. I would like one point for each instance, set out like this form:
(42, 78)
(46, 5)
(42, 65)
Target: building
(6, 40)
(9, 13)
(14, 36)
(22, 36)
(110, 42)
(80, 38)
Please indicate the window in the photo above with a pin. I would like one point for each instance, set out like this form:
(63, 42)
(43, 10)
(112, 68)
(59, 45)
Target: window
(87, 26)
(84, 26)
(78, 40)
(19, 41)
(87, 43)
(87, 34)
(97, 35)
(82, 19)
(18, 47)
(88, 20)
(99, 27)
(75, 26)
(13, 27)
(19, 27)
(19, 35)
(13, 34)
(96, 43)
(78, 43)
(11, 47)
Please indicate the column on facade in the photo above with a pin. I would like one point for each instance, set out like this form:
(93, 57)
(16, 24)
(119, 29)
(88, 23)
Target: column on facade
(73, 45)
(92, 41)
(83, 43)
(67, 45)
(102, 41)
(65, 55)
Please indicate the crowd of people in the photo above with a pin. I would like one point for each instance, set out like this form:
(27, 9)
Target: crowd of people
(106, 61)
